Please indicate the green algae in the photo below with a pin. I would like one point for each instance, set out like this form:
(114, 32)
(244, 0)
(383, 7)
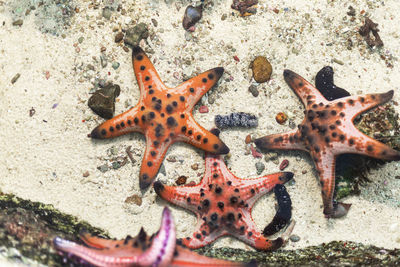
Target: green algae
(30, 228)
(336, 253)
(382, 124)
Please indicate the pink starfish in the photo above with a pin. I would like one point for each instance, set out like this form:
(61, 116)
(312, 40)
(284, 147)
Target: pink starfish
(223, 203)
(328, 131)
(142, 250)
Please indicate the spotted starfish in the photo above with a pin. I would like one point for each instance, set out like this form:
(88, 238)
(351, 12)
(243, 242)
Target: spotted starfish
(328, 131)
(142, 250)
(223, 203)
(163, 115)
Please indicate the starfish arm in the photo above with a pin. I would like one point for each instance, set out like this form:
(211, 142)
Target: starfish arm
(325, 165)
(152, 160)
(119, 125)
(199, 137)
(252, 189)
(162, 248)
(98, 242)
(252, 236)
(196, 87)
(186, 257)
(355, 105)
(146, 74)
(203, 235)
(307, 93)
(97, 257)
(183, 196)
(359, 143)
(289, 141)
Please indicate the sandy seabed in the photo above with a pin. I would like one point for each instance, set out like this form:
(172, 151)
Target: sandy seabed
(43, 157)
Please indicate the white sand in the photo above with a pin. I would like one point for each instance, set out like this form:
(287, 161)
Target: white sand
(44, 161)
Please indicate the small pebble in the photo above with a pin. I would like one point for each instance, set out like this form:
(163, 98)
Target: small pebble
(203, 109)
(192, 16)
(260, 167)
(284, 164)
(188, 36)
(248, 139)
(103, 60)
(115, 65)
(181, 180)
(119, 37)
(102, 102)
(253, 90)
(116, 165)
(15, 78)
(171, 159)
(80, 39)
(195, 166)
(85, 174)
(18, 22)
(107, 13)
(338, 61)
(281, 118)
(262, 69)
(294, 238)
(135, 199)
(134, 35)
(292, 124)
(103, 168)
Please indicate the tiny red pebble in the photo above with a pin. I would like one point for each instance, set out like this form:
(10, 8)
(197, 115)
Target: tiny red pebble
(276, 10)
(236, 58)
(47, 73)
(109, 73)
(192, 183)
(203, 109)
(284, 164)
(255, 153)
(83, 120)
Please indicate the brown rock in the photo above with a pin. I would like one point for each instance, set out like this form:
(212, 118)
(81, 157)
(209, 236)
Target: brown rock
(195, 166)
(181, 180)
(135, 199)
(102, 102)
(119, 37)
(248, 139)
(262, 69)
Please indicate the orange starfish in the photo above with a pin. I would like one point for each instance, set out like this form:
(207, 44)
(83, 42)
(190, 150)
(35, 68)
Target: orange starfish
(163, 115)
(328, 131)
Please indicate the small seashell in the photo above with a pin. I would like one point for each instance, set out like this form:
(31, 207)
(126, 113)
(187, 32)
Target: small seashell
(192, 16)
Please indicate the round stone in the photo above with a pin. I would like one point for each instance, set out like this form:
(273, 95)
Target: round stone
(262, 69)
